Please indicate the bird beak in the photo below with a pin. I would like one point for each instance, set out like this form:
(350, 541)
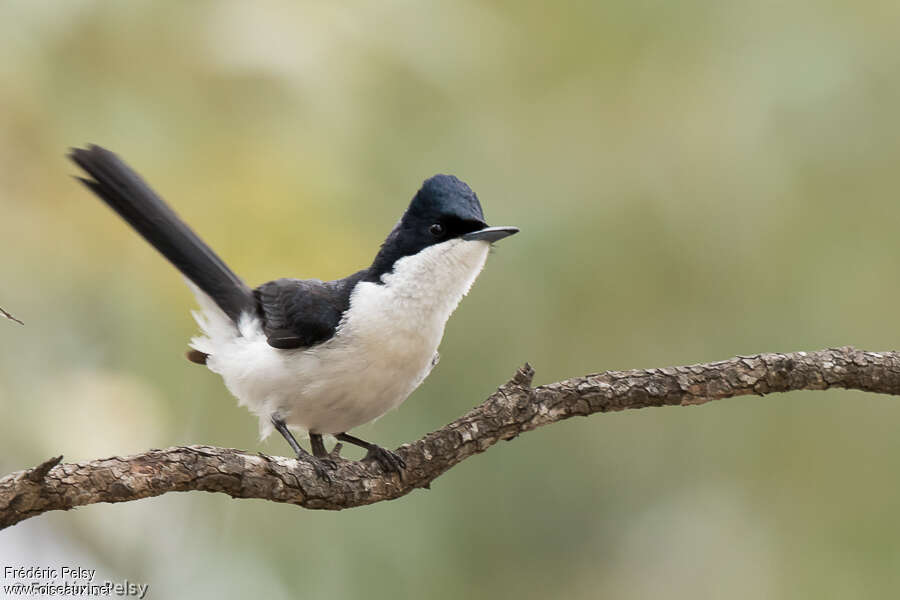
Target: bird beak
(491, 234)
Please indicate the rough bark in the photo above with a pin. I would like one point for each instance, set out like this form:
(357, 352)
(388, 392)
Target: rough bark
(514, 408)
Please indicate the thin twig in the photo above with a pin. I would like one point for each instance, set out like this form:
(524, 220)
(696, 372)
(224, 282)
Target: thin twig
(9, 316)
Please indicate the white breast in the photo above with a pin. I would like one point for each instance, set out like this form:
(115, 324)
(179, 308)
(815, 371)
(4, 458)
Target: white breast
(382, 351)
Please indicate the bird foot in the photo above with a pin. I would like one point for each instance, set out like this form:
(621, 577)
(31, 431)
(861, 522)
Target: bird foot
(390, 461)
(321, 466)
(335, 454)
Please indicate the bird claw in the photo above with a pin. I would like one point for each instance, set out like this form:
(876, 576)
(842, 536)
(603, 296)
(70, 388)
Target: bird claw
(335, 454)
(390, 461)
(320, 466)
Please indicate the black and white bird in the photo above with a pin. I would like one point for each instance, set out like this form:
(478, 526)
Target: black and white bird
(319, 356)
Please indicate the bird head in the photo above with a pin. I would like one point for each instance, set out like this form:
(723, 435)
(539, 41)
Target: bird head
(443, 209)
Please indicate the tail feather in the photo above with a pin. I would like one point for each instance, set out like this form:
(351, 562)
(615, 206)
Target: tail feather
(127, 194)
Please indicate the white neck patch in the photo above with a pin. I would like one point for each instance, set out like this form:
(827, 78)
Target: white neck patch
(440, 275)
(417, 297)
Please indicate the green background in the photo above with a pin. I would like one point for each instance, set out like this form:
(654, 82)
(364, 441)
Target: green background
(693, 180)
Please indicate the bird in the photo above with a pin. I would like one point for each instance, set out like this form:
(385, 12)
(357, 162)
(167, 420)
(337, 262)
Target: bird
(320, 357)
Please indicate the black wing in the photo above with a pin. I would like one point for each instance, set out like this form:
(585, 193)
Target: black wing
(298, 313)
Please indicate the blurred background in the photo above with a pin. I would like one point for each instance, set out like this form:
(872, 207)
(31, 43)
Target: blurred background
(693, 180)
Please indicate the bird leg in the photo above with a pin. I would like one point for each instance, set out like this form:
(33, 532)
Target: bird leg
(320, 465)
(318, 445)
(319, 451)
(389, 461)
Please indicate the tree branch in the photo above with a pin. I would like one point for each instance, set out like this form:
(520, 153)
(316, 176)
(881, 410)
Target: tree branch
(514, 408)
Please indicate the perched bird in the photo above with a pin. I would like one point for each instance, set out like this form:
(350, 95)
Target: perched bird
(319, 356)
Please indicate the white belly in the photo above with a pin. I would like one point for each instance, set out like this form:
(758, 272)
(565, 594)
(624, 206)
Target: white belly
(383, 349)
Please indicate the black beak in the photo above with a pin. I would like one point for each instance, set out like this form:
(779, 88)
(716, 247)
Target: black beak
(491, 234)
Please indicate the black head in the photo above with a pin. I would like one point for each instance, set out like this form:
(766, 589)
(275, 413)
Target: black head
(443, 209)
(445, 197)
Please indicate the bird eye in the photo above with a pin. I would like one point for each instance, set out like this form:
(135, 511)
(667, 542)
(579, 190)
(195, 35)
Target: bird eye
(436, 230)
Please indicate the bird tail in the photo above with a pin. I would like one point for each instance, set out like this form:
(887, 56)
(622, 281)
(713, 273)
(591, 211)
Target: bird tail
(127, 194)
